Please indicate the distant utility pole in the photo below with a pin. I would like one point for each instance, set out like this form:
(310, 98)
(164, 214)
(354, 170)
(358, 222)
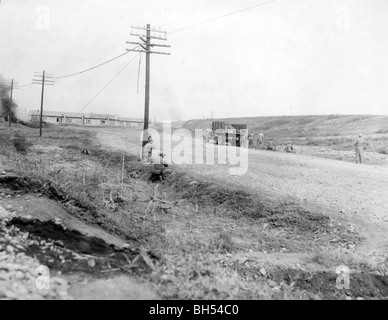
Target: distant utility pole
(11, 85)
(43, 79)
(144, 46)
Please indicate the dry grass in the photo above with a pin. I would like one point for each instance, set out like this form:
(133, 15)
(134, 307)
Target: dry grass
(189, 267)
(354, 261)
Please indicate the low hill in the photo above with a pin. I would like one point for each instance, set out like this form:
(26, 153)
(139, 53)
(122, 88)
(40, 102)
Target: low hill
(336, 131)
(306, 126)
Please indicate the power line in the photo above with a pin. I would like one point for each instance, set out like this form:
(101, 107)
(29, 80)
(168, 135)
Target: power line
(94, 97)
(223, 16)
(107, 84)
(175, 31)
(92, 68)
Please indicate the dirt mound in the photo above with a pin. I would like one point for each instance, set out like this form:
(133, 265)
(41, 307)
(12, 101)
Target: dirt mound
(293, 216)
(240, 203)
(206, 194)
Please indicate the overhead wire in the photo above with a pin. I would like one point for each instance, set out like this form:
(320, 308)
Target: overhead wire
(92, 68)
(221, 17)
(99, 92)
(125, 53)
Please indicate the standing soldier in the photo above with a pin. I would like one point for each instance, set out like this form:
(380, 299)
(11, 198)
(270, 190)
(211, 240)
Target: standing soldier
(359, 145)
(147, 152)
(250, 140)
(260, 140)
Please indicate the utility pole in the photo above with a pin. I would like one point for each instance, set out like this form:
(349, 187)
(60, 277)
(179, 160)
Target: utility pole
(144, 46)
(44, 80)
(11, 85)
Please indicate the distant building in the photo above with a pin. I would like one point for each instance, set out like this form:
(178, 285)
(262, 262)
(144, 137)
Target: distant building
(84, 119)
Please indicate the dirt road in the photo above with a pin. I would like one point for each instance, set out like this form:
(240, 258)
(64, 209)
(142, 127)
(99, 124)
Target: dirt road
(355, 194)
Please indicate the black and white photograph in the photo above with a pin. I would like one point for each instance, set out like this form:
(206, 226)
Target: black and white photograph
(196, 156)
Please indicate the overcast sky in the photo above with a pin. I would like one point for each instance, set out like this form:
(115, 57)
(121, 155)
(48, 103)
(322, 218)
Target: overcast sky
(287, 57)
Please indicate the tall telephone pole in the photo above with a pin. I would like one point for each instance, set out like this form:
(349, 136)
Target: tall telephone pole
(145, 46)
(11, 85)
(44, 80)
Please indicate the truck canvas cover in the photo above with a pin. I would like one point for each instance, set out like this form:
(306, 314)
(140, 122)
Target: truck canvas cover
(240, 127)
(216, 125)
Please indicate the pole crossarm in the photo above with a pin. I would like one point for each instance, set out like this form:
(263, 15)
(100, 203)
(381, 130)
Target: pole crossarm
(165, 53)
(151, 37)
(136, 50)
(146, 29)
(49, 81)
(46, 84)
(137, 43)
(146, 46)
(160, 45)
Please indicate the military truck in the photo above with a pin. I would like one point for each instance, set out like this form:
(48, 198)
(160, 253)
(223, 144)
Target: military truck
(228, 134)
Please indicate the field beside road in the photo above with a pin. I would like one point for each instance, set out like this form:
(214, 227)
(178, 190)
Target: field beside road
(329, 137)
(278, 232)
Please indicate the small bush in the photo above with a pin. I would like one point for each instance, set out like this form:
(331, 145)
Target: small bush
(224, 243)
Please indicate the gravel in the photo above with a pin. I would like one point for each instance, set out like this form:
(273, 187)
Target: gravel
(19, 273)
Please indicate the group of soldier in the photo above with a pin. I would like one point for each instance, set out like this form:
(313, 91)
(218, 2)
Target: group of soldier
(258, 141)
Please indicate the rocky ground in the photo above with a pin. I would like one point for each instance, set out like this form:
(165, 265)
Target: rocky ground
(23, 277)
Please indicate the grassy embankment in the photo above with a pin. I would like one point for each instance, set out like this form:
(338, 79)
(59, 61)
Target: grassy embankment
(191, 231)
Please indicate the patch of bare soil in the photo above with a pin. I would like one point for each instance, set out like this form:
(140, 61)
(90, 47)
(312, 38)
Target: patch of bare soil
(70, 244)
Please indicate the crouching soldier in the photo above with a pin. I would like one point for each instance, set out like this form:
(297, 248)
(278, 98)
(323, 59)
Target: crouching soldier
(271, 145)
(289, 148)
(159, 171)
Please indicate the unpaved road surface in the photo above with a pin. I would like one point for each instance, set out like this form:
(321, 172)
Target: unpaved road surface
(356, 194)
